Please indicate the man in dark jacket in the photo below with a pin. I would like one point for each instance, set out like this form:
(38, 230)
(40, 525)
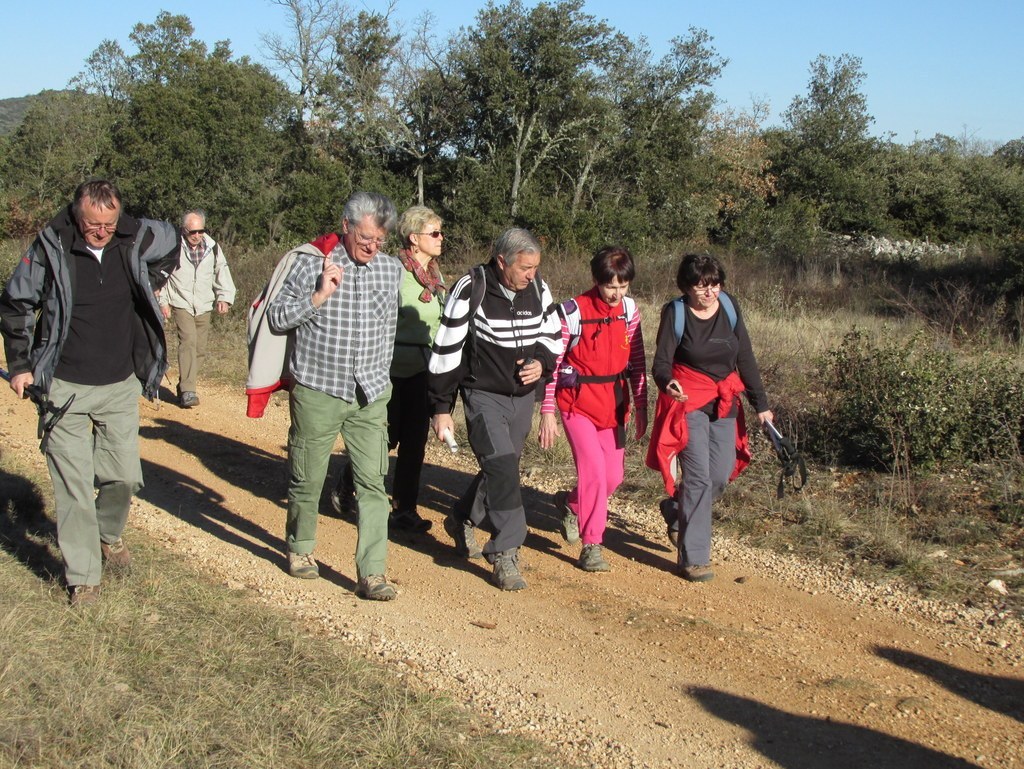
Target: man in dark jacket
(79, 319)
(494, 350)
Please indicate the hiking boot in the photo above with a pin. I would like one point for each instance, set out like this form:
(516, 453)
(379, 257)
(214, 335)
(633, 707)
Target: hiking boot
(570, 522)
(84, 595)
(408, 520)
(697, 573)
(464, 534)
(376, 588)
(670, 512)
(188, 399)
(116, 556)
(343, 495)
(592, 559)
(506, 571)
(303, 566)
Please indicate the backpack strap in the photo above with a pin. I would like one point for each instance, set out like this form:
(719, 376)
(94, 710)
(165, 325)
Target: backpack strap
(679, 313)
(477, 288)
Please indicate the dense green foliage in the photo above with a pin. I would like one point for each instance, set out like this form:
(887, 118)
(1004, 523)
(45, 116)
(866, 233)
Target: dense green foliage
(914, 405)
(542, 116)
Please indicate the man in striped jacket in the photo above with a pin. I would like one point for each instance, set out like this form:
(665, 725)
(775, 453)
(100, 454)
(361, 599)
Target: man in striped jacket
(495, 349)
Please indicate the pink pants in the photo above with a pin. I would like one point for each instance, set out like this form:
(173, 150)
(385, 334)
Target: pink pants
(599, 464)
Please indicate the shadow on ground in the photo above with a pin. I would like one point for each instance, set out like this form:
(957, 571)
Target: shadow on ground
(998, 694)
(25, 530)
(804, 742)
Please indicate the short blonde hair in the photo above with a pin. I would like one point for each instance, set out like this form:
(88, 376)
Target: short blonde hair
(413, 220)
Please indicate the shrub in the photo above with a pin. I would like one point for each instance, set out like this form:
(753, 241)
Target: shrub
(912, 405)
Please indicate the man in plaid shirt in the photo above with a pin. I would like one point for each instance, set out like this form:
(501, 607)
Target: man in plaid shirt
(340, 300)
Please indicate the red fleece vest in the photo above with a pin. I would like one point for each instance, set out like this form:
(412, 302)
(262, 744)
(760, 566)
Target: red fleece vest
(602, 350)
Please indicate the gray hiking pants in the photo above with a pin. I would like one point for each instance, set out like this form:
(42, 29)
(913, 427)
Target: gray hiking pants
(707, 462)
(498, 426)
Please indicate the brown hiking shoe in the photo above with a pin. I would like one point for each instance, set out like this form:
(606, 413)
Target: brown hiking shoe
(84, 595)
(376, 588)
(697, 573)
(303, 566)
(116, 556)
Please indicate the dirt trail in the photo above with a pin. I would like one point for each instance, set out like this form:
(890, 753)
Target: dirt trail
(774, 664)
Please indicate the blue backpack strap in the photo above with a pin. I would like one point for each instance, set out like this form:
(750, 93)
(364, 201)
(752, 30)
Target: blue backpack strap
(730, 309)
(679, 313)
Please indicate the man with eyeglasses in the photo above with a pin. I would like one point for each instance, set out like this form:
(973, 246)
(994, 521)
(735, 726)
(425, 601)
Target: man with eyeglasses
(200, 283)
(339, 302)
(81, 322)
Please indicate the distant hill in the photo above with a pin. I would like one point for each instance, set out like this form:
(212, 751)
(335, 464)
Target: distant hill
(12, 112)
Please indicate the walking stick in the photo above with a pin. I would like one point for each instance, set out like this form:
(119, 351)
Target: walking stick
(49, 414)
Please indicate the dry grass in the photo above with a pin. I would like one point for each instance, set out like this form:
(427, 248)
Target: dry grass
(169, 670)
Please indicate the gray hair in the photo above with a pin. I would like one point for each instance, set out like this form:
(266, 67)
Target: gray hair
(363, 204)
(194, 212)
(513, 242)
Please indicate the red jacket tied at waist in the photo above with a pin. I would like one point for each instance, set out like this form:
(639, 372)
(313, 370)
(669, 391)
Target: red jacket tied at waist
(669, 434)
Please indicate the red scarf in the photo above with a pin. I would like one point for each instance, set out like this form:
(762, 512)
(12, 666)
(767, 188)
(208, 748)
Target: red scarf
(428, 276)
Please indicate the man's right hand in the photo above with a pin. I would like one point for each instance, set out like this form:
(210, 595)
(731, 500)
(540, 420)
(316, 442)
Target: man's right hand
(442, 422)
(328, 283)
(20, 381)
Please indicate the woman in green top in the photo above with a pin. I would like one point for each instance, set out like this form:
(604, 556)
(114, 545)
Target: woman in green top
(422, 296)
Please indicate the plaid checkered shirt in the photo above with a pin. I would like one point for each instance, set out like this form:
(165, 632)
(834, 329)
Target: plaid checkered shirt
(347, 342)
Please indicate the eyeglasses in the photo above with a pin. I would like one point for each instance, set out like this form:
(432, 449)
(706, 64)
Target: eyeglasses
(710, 286)
(364, 241)
(90, 227)
(196, 232)
(432, 233)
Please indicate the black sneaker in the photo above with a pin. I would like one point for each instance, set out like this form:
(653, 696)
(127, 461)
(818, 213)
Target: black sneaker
(343, 495)
(670, 512)
(408, 520)
(188, 399)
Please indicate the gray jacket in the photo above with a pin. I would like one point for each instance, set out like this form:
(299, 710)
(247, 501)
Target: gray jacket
(35, 307)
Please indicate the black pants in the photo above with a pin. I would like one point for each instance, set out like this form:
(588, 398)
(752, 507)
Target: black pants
(408, 427)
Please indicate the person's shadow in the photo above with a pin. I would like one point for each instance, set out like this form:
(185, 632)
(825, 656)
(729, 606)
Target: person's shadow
(1002, 695)
(26, 533)
(247, 467)
(807, 742)
(241, 465)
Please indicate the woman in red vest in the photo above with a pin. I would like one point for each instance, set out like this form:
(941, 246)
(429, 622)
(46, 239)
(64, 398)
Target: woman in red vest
(702, 362)
(603, 362)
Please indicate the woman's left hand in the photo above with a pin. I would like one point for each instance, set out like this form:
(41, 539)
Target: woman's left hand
(765, 416)
(548, 433)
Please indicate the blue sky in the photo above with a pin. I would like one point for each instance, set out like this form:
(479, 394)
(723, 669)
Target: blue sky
(944, 66)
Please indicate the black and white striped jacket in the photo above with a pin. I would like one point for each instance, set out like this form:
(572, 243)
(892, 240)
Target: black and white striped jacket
(504, 332)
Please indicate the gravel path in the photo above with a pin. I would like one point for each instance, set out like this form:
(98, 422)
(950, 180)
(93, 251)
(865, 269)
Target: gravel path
(777, 663)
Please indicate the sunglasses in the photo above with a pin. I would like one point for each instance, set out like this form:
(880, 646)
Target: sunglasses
(433, 233)
(196, 232)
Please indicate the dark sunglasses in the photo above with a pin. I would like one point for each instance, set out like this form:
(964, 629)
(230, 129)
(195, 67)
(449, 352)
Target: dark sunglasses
(433, 234)
(196, 232)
